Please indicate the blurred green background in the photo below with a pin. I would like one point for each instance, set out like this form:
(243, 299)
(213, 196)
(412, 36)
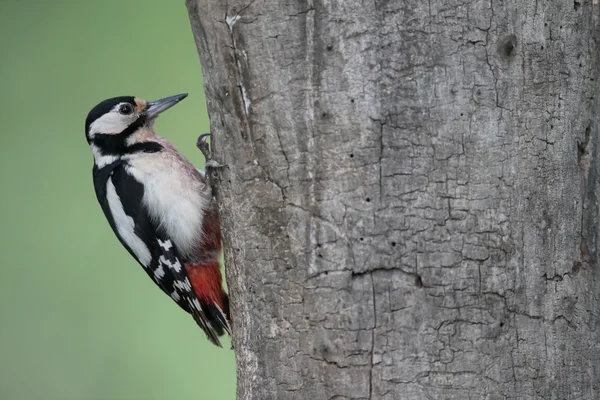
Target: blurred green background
(79, 319)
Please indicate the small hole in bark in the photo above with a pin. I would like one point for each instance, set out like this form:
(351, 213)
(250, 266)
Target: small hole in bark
(582, 146)
(508, 45)
(560, 27)
(324, 115)
(542, 47)
(551, 126)
(545, 24)
(501, 324)
(461, 114)
(318, 245)
(580, 65)
(393, 244)
(319, 255)
(351, 155)
(361, 239)
(576, 5)
(576, 267)
(326, 273)
(368, 199)
(418, 281)
(351, 100)
(329, 47)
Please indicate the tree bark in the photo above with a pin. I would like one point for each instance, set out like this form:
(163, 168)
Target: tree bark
(410, 205)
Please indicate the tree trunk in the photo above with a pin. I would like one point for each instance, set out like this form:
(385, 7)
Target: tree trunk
(410, 205)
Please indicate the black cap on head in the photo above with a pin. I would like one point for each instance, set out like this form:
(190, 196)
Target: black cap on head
(105, 106)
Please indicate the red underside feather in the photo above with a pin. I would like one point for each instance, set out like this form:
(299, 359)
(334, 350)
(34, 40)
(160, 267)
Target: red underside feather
(206, 281)
(206, 276)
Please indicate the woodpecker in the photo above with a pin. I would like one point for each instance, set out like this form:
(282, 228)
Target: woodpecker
(159, 206)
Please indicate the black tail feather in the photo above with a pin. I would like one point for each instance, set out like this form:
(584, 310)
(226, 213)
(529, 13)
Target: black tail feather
(217, 318)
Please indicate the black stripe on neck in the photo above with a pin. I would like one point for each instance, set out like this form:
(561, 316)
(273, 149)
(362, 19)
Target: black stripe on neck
(115, 144)
(144, 147)
(111, 145)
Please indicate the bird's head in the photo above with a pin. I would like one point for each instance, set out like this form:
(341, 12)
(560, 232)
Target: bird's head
(111, 122)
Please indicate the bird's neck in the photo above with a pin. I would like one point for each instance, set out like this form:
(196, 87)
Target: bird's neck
(103, 158)
(108, 149)
(142, 135)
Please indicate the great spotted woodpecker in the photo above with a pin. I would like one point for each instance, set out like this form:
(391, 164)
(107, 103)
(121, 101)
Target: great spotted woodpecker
(159, 206)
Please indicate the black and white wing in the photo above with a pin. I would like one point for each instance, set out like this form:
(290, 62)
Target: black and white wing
(120, 196)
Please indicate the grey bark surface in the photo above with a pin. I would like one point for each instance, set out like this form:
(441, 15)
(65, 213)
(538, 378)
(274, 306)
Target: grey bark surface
(410, 205)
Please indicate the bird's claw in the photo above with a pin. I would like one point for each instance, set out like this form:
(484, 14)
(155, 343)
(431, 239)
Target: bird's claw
(213, 164)
(206, 150)
(209, 164)
(203, 145)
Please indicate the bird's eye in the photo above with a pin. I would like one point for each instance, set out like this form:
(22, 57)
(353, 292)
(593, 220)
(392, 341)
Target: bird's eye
(126, 109)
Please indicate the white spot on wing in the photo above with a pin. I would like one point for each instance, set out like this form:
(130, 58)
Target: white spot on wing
(125, 225)
(175, 296)
(159, 272)
(196, 304)
(166, 244)
(172, 265)
(183, 285)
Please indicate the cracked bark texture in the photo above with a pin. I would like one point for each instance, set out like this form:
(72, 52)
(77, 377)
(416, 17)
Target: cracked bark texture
(410, 209)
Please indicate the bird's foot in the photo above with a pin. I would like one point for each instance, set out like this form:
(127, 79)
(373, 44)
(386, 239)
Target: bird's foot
(213, 164)
(209, 164)
(203, 145)
(206, 150)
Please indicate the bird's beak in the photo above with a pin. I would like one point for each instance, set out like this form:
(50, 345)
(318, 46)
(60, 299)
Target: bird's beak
(157, 106)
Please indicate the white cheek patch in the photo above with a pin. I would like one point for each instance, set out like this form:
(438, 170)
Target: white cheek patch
(111, 123)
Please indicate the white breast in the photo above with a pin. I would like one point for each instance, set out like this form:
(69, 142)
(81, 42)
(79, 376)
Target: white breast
(174, 196)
